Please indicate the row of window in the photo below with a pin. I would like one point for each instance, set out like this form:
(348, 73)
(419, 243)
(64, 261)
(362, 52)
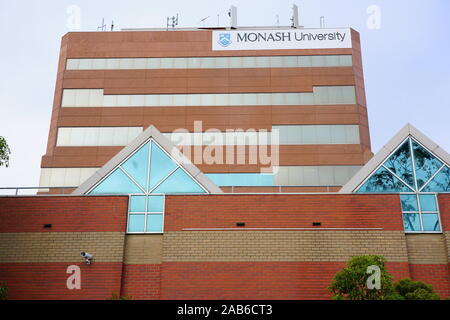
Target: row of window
(314, 175)
(210, 62)
(283, 176)
(97, 136)
(283, 135)
(318, 134)
(325, 95)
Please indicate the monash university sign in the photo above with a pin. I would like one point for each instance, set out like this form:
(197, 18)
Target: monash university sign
(281, 39)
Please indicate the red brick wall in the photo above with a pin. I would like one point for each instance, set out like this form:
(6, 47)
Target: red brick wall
(142, 281)
(437, 275)
(66, 214)
(444, 210)
(47, 281)
(283, 211)
(254, 280)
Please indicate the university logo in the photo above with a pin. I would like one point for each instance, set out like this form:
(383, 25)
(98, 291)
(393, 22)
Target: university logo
(225, 39)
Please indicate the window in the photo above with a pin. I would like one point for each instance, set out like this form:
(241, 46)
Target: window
(147, 176)
(420, 212)
(211, 62)
(418, 175)
(146, 214)
(325, 95)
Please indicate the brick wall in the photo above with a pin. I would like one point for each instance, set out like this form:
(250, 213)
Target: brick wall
(254, 280)
(142, 281)
(34, 260)
(284, 211)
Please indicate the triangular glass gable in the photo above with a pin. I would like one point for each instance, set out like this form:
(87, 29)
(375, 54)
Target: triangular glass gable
(137, 166)
(117, 183)
(383, 181)
(179, 182)
(400, 163)
(161, 172)
(425, 163)
(161, 165)
(440, 183)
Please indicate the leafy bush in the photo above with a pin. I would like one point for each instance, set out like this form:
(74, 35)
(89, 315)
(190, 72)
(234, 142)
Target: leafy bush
(351, 282)
(415, 290)
(115, 296)
(3, 290)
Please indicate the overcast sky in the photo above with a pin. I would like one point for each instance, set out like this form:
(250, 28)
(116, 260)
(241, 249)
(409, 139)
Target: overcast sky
(406, 57)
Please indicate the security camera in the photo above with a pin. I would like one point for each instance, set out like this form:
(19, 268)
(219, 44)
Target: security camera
(87, 257)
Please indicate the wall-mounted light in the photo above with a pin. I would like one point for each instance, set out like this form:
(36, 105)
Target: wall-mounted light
(48, 226)
(240, 224)
(317, 224)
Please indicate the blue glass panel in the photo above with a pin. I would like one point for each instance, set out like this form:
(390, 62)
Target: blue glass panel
(428, 202)
(179, 182)
(116, 183)
(383, 181)
(242, 179)
(136, 223)
(156, 204)
(160, 166)
(411, 221)
(155, 223)
(137, 204)
(426, 164)
(401, 164)
(409, 202)
(440, 183)
(430, 222)
(137, 166)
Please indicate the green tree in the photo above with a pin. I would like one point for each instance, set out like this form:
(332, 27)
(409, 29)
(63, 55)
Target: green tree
(3, 290)
(4, 153)
(351, 282)
(415, 290)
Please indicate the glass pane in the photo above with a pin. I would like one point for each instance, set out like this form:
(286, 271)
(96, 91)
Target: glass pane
(155, 223)
(179, 182)
(137, 204)
(428, 202)
(160, 166)
(440, 183)
(136, 223)
(409, 202)
(401, 164)
(137, 166)
(383, 181)
(116, 183)
(430, 222)
(426, 164)
(411, 221)
(156, 204)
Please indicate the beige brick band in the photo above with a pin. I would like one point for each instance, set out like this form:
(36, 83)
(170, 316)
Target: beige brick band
(61, 246)
(282, 245)
(143, 249)
(427, 248)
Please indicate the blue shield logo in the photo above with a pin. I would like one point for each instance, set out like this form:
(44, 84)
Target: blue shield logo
(225, 39)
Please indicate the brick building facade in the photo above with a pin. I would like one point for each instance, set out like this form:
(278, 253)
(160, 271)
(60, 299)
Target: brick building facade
(203, 255)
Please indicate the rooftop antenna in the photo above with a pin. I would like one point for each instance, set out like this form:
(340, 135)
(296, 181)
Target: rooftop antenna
(278, 20)
(322, 22)
(204, 19)
(103, 26)
(112, 25)
(232, 13)
(295, 21)
(172, 22)
(218, 19)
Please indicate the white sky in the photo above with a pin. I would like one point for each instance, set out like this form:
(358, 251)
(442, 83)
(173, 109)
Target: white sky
(406, 61)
